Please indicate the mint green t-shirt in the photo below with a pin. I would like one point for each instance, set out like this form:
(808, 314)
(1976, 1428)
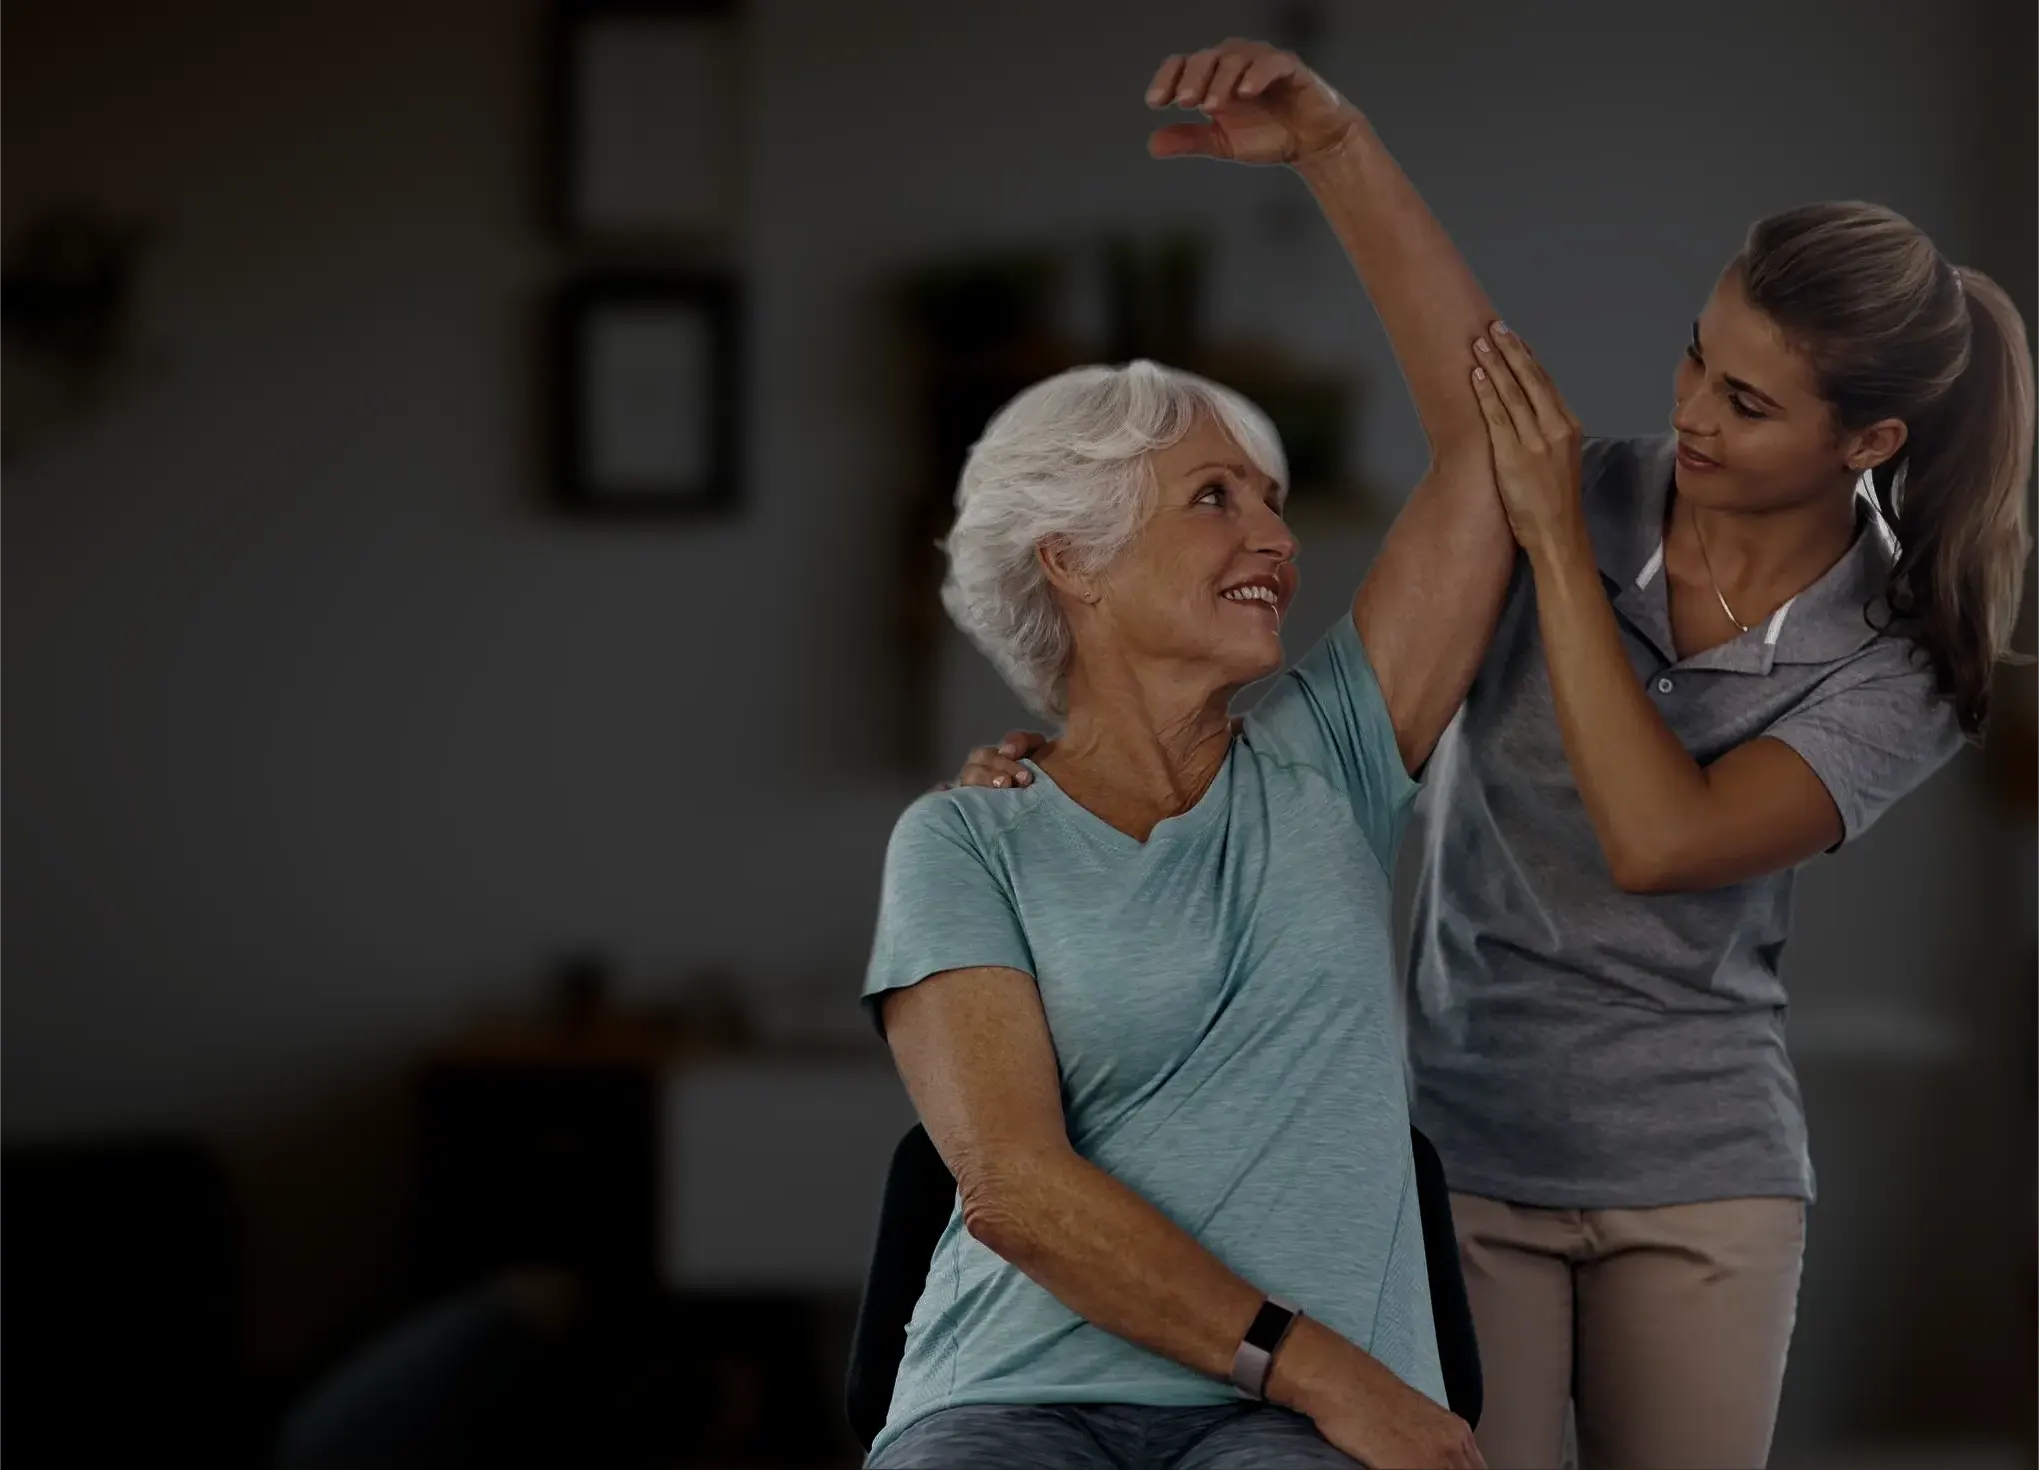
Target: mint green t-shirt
(1223, 1010)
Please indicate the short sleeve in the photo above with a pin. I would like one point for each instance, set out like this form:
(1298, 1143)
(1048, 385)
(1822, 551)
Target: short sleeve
(941, 907)
(1875, 736)
(1328, 712)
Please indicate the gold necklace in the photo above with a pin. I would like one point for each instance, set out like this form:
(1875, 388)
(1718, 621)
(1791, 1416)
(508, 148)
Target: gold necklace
(1707, 562)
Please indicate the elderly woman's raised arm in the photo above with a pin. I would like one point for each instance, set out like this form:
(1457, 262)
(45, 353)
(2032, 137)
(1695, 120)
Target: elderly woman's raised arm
(1428, 605)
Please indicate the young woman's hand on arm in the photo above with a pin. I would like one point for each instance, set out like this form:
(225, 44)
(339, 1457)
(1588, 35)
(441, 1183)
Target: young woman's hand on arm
(974, 1048)
(1665, 822)
(1428, 605)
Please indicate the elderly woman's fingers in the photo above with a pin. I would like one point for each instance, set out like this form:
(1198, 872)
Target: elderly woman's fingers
(1196, 78)
(1162, 88)
(1187, 140)
(1267, 68)
(1225, 79)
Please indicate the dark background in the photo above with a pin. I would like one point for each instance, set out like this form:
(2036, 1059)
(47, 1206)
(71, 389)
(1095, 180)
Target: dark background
(332, 737)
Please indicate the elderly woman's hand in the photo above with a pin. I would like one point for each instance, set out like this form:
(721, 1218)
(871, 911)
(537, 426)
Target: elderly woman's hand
(1364, 1409)
(1535, 439)
(1264, 106)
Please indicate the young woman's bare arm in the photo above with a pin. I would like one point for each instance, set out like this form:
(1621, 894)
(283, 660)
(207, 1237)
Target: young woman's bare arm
(1666, 823)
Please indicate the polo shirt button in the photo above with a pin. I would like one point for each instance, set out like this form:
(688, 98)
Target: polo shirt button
(1663, 686)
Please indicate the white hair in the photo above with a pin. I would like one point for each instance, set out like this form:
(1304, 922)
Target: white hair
(1069, 458)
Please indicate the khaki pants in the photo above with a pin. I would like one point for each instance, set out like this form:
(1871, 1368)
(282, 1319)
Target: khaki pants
(1667, 1326)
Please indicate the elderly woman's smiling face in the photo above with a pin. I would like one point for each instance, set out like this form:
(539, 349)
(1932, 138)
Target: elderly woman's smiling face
(1210, 574)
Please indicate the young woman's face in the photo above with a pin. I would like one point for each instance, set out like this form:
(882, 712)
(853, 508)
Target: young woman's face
(1753, 432)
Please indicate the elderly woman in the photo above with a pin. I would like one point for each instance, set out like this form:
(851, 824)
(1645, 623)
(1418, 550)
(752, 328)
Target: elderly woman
(1145, 1004)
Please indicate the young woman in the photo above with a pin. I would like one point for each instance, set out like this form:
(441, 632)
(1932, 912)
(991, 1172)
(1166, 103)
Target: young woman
(1720, 653)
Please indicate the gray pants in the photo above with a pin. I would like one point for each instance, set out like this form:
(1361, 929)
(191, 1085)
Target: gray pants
(1111, 1437)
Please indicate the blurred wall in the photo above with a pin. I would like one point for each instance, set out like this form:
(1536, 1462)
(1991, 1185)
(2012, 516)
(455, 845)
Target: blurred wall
(321, 732)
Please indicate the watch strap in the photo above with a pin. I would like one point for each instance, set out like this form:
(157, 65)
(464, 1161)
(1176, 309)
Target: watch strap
(1255, 1356)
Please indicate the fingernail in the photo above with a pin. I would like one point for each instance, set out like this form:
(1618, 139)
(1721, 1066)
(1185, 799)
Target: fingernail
(1024, 777)
(1480, 345)
(1500, 329)
(1008, 750)
(1479, 375)
(998, 780)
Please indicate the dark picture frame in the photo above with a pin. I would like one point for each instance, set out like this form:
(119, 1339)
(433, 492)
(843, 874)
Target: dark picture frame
(646, 375)
(644, 111)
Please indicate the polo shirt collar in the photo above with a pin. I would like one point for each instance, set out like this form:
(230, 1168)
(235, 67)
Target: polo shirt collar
(1628, 537)
(1822, 624)
(1842, 611)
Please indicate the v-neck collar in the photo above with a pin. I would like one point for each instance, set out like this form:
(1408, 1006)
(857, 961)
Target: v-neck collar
(1182, 825)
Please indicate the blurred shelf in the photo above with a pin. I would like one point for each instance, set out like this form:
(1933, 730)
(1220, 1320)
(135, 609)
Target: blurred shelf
(632, 1153)
(772, 1169)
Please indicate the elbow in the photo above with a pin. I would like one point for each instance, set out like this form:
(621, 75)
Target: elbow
(991, 1221)
(1652, 871)
(1645, 871)
(1642, 880)
(997, 1212)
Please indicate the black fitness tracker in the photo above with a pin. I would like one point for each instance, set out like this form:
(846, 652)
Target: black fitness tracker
(1250, 1364)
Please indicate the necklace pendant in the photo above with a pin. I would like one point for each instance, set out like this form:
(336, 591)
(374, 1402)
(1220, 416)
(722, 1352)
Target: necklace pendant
(1721, 597)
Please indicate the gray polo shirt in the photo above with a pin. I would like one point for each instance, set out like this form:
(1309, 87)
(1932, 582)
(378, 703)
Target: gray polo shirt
(1576, 1046)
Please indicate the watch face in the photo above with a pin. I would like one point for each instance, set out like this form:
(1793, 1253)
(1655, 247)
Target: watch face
(1268, 1325)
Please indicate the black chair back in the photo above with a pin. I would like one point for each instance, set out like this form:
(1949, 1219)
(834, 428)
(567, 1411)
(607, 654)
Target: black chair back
(920, 1194)
(1458, 1350)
